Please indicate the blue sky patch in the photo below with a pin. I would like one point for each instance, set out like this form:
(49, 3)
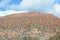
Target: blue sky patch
(15, 2)
(49, 6)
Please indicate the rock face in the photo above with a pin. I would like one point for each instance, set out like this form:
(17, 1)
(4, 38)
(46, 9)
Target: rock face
(29, 26)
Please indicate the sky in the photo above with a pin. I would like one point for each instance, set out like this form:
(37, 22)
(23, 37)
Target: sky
(46, 6)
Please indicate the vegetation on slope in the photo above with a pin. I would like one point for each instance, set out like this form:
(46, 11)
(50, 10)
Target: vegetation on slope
(56, 37)
(29, 26)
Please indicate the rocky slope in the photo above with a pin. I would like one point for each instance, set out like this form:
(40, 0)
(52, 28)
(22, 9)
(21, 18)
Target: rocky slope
(29, 26)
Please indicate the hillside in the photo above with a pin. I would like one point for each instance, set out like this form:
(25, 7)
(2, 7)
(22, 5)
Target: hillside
(29, 26)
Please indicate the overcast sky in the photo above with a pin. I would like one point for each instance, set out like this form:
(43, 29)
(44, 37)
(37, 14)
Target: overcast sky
(47, 6)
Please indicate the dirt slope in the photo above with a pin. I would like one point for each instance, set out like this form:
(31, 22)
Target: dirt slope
(29, 26)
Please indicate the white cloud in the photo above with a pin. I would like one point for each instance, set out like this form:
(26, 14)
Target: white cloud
(4, 3)
(13, 7)
(36, 3)
(9, 12)
(56, 10)
(33, 5)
